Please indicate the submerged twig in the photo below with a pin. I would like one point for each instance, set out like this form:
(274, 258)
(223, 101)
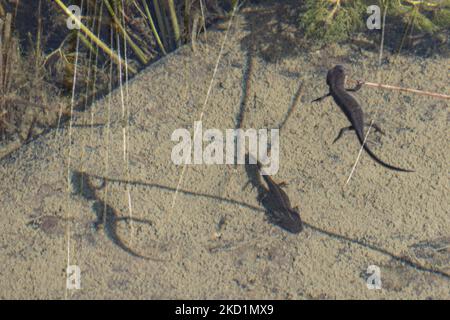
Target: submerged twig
(391, 87)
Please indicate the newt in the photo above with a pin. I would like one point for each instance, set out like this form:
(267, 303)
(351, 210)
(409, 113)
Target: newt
(281, 210)
(351, 108)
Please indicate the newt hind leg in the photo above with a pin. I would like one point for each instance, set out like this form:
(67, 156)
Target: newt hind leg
(342, 131)
(345, 129)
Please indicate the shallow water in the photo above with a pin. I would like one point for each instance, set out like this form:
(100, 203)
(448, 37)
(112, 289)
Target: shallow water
(199, 231)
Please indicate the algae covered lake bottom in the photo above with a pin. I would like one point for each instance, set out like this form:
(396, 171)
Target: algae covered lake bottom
(205, 235)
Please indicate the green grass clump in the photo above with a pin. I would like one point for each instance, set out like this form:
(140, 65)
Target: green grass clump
(431, 16)
(325, 20)
(335, 20)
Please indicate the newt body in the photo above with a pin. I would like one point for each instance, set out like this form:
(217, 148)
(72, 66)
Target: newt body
(280, 206)
(352, 110)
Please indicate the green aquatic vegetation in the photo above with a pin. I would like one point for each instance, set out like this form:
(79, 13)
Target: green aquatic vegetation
(334, 20)
(426, 16)
(327, 20)
(442, 17)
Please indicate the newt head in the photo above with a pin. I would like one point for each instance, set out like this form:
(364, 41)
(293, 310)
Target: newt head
(336, 76)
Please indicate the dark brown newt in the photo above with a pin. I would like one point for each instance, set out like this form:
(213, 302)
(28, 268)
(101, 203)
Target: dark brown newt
(281, 210)
(353, 111)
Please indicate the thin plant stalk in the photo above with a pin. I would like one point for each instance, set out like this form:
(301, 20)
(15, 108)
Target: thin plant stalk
(152, 25)
(187, 18)
(391, 87)
(139, 53)
(161, 23)
(174, 20)
(89, 34)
